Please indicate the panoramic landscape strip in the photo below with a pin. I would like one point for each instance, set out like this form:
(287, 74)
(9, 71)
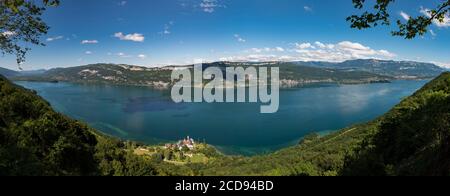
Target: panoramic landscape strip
(224, 96)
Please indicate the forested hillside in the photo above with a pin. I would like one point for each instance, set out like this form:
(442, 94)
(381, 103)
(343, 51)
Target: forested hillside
(411, 139)
(8, 73)
(35, 140)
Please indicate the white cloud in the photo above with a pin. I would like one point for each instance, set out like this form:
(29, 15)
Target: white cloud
(339, 52)
(88, 52)
(347, 45)
(142, 56)
(167, 27)
(135, 37)
(239, 38)
(89, 42)
(50, 39)
(324, 46)
(405, 15)
(433, 34)
(445, 23)
(307, 8)
(198, 61)
(357, 50)
(385, 53)
(255, 50)
(279, 49)
(252, 58)
(8, 33)
(302, 46)
(122, 3)
(209, 6)
(123, 55)
(266, 49)
(320, 44)
(441, 64)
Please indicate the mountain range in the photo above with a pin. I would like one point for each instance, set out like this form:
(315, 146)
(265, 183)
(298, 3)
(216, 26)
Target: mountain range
(397, 69)
(11, 73)
(292, 74)
(8, 73)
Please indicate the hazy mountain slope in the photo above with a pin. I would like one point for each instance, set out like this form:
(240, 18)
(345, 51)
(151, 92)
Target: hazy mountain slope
(11, 74)
(398, 69)
(106, 73)
(8, 73)
(291, 75)
(32, 72)
(395, 68)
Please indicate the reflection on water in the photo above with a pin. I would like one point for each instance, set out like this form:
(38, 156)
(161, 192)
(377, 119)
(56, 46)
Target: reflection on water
(352, 100)
(150, 104)
(146, 115)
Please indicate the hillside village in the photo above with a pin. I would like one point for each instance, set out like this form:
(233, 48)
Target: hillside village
(184, 151)
(188, 143)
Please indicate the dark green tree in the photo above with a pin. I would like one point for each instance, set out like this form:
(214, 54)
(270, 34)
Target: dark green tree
(21, 23)
(168, 154)
(380, 16)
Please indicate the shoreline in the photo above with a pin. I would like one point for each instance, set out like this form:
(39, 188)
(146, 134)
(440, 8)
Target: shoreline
(226, 150)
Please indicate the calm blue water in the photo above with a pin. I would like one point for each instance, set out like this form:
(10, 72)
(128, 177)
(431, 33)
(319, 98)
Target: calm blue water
(142, 114)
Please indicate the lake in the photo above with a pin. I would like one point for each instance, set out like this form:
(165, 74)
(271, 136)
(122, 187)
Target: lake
(150, 116)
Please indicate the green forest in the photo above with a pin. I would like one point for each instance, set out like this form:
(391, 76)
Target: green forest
(411, 139)
(35, 141)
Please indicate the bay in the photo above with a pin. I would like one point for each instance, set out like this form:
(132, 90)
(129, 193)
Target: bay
(150, 116)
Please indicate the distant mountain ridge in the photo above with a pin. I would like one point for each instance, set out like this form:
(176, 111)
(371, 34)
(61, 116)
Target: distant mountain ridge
(11, 73)
(8, 73)
(119, 74)
(397, 69)
(291, 75)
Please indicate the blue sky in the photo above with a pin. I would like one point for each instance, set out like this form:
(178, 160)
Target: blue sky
(161, 32)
